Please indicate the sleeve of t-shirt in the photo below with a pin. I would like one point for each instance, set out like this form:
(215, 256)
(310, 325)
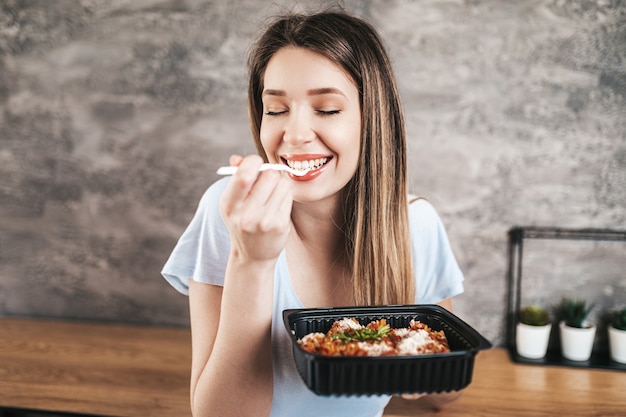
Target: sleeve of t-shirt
(202, 250)
(437, 272)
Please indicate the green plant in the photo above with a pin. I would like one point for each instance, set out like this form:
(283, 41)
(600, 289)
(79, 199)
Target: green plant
(534, 316)
(617, 319)
(574, 311)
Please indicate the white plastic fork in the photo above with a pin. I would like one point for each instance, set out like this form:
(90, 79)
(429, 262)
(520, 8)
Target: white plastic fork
(230, 170)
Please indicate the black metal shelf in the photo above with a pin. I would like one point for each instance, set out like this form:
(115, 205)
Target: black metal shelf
(516, 237)
(517, 234)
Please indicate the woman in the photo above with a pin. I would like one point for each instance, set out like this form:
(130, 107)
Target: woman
(322, 97)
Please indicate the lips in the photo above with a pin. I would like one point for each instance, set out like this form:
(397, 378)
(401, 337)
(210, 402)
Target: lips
(307, 164)
(313, 163)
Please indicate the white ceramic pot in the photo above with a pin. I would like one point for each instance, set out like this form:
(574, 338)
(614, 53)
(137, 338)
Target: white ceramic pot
(576, 343)
(617, 344)
(532, 341)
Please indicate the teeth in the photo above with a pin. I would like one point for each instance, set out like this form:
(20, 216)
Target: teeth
(311, 164)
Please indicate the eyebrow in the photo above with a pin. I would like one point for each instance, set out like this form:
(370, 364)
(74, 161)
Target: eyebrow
(311, 92)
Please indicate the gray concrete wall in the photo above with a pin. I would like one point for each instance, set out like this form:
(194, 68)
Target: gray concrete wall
(114, 115)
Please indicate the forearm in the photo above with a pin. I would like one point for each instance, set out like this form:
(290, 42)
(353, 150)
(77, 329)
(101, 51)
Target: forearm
(237, 376)
(233, 385)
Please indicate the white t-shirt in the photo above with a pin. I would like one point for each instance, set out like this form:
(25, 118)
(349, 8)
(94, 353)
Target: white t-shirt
(202, 253)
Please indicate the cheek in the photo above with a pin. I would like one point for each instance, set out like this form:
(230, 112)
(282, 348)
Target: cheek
(354, 155)
(354, 143)
(268, 138)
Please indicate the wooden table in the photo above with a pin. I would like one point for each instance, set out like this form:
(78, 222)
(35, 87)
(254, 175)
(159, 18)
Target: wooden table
(502, 388)
(91, 368)
(130, 371)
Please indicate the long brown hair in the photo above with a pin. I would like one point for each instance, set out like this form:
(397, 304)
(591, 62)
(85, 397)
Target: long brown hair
(377, 228)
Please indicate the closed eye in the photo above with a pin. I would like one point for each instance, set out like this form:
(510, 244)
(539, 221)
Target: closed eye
(328, 112)
(275, 113)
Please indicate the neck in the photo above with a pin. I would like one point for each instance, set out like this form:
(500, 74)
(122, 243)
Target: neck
(318, 227)
(319, 268)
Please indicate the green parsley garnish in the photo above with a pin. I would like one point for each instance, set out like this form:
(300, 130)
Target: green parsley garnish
(362, 335)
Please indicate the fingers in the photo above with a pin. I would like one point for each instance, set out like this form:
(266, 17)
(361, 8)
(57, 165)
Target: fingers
(412, 396)
(256, 208)
(277, 202)
(253, 195)
(241, 183)
(283, 200)
(267, 207)
(265, 187)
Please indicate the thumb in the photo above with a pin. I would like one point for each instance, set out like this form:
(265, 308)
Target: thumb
(235, 160)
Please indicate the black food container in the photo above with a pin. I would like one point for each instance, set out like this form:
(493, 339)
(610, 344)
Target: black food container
(348, 376)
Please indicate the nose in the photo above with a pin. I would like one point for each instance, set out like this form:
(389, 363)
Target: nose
(299, 128)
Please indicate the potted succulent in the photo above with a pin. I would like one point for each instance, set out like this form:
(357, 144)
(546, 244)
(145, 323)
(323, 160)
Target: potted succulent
(533, 332)
(617, 335)
(576, 332)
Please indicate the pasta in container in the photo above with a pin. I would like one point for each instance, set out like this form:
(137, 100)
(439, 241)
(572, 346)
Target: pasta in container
(348, 337)
(333, 361)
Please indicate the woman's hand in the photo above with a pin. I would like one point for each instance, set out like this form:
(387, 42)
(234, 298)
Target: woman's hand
(256, 208)
(412, 396)
(438, 401)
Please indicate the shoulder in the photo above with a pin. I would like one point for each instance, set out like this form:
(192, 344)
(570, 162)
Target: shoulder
(422, 214)
(214, 192)
(209, 204)
(437, 272)
(207, 217)
(426, 225)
